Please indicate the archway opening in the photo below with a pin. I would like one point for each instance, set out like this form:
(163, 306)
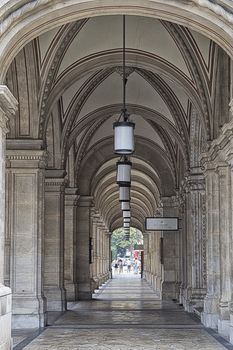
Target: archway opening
(127, 255)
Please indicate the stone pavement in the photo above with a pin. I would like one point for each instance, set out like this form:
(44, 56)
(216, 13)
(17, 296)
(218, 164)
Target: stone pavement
(125, 314)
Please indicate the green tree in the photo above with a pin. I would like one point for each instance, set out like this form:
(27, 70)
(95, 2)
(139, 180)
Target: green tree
(119, 244)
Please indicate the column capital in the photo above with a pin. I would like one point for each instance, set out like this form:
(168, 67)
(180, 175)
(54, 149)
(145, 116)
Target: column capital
(220, 150)
(71, 196)
(85, 201)
(16, 158)
(171, 201)
(8, 106)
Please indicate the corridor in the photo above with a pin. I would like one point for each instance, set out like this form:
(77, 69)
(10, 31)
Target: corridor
(125, 314)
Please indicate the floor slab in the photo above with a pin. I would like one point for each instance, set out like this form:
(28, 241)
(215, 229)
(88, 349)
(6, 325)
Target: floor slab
(124, 314)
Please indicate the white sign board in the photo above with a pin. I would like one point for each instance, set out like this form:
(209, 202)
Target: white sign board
(161, 224)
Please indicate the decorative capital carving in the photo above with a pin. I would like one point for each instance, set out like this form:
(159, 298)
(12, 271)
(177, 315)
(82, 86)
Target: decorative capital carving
(8, 107)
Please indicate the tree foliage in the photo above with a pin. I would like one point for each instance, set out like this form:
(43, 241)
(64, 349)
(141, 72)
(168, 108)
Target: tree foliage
(119, 244)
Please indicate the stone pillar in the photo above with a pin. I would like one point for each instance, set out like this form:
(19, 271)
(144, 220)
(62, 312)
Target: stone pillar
(70, 248)
(170, 252)
(8, 106)
(83, 247)
(224, 176)
(94, 222)
(25, 231)
(54, 241)
(210, 315)
(196, 242)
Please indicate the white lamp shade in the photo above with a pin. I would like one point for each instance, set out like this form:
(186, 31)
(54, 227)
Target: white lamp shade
(124, 194)
(126, 220)
(126, 214)
(124, 173)
(123, 137)
(125, 206)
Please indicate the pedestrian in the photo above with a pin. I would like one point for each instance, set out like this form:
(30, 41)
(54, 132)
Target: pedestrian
(129, 266)
(120, 266)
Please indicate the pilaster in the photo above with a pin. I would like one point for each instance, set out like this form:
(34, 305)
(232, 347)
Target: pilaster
(8, 106)
(217, 164)
(25, 209)
(83, 247)
(70, 244)
(171, 241)
(196, 241)
(54, 241)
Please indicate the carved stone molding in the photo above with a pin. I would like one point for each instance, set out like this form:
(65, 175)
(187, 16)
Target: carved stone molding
(8, 107)
(71, 196)
(26, 158)
(221, 149)
(55, 185)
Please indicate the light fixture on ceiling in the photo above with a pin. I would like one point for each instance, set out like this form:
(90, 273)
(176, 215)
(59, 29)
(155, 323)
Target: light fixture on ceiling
(126, 214)
(125, 206)
(124, 172)
(126, 220)
(124, 129)
(124, 194)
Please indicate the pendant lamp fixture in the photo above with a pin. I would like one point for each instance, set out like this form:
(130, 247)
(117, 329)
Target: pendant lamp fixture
(124, 130)
(126, 220)
(126, 214)
(125, 206)
(124, 194)
(124, 172)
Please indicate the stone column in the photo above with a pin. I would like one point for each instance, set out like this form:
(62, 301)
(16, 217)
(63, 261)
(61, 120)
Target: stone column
(170, 252)
(224, 176)
(25, 231)
(70, 249)
(83, 248)
(211, 302)
(54, 241)
(8, 106)
(196, 242)
(94, 222)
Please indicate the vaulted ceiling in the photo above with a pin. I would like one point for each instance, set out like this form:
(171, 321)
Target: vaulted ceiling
(69, 85)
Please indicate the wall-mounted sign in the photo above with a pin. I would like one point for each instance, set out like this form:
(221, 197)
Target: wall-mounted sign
(162, 224)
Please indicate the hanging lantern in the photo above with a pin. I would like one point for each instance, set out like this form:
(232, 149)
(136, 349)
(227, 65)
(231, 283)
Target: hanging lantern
(125, 206)
(124, 194)
(127, 233)
(124, 173)
(123, 137)
(126, 214)
(126, 220)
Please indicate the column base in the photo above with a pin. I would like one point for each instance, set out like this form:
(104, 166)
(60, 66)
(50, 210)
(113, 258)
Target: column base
(168, 290)
(28, 312)
(193, 298)
(56, 298)
(5, 318)
(28, 321)
(224, 328)
(210, 315)
(84, 291)
(71, 291)
(210, 320)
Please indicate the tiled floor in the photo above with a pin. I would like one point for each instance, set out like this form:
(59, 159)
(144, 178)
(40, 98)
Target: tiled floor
(125, 315)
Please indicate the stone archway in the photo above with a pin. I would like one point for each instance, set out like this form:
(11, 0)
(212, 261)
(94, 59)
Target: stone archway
(26, 20)
(29, 19)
